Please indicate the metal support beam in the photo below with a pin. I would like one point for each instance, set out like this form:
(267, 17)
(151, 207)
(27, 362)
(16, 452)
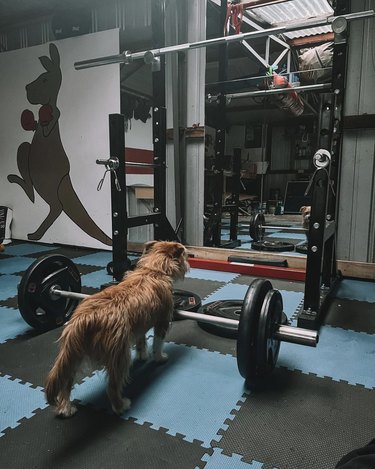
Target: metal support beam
(250, 94)
(195, 116)
(118, 196)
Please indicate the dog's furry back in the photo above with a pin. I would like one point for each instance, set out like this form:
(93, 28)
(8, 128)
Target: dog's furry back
(106, 324)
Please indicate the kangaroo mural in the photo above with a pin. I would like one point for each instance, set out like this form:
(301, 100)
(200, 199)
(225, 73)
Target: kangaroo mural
(43, 163)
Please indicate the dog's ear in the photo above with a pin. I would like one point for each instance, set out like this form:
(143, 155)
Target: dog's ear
(148, 246)
(303, 209)
(178, 252)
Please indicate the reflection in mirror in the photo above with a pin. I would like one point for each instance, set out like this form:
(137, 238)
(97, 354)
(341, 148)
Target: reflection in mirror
(273, 120)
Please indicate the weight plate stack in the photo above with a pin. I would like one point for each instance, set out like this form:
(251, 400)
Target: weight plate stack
(247, 342)
(185, 300)
(255, 231)
(267, 346)
(274, 246)
(302, 248)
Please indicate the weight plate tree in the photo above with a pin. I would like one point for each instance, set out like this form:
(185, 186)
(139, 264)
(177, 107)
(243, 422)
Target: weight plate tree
(37, 307)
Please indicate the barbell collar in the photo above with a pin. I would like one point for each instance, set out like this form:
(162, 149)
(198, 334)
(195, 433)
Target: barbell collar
(110, 163)
(113, 163)
(296, 335)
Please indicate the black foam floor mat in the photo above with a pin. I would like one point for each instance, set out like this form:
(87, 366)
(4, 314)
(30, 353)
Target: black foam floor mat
(352, 314)
(301, 421)
(93, 440)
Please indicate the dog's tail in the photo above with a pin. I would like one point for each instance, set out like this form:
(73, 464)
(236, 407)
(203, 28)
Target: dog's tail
(60, 378)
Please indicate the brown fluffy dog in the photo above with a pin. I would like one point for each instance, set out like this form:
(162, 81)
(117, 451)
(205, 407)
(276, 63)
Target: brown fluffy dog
(105, 325)
(306, 212)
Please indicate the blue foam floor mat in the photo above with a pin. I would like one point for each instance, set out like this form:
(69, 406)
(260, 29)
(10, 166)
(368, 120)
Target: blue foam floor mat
(340, 355)
(19, 264)
(27, 249)
(197, 379)
(356, 290)
(95, 279)
(18, 400)
(220, 461)
(8, 286)
(198, 398)
(99, 259)
(215, 275)
(12, 324)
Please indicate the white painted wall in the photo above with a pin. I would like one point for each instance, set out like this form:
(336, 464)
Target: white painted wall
(86, 98)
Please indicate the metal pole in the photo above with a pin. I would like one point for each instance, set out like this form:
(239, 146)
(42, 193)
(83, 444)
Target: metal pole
(283, 228)
(54, 291)
(283, 333)
(295, 335)
(250, 94)
(149, 56)
(118, 197)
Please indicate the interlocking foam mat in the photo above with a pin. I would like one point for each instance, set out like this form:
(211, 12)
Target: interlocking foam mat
(195, 411)
(282, 239)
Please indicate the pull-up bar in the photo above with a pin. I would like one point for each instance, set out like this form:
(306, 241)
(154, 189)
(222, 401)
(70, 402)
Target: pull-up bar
(150, 55)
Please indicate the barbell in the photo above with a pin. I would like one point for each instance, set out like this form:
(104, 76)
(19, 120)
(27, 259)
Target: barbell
(257, 227)
(50, 290)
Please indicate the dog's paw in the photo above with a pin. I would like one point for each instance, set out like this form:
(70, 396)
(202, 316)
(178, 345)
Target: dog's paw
(66, 411)
(161, 357)
(126, 404)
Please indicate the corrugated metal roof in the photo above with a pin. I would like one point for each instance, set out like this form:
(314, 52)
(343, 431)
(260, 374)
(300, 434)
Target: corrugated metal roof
(295, 11)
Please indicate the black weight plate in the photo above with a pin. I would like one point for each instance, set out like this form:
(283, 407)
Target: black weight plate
(230, 309)
(186, 301)
(37, 306)
(267, 346)
(256, 233)
(248, 329)
(302, 248)
(275, 246)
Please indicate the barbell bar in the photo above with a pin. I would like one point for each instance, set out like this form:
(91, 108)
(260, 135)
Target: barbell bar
(257, 226)
(283, 333)
(113, 163)
(49, 292)
(149, 56)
